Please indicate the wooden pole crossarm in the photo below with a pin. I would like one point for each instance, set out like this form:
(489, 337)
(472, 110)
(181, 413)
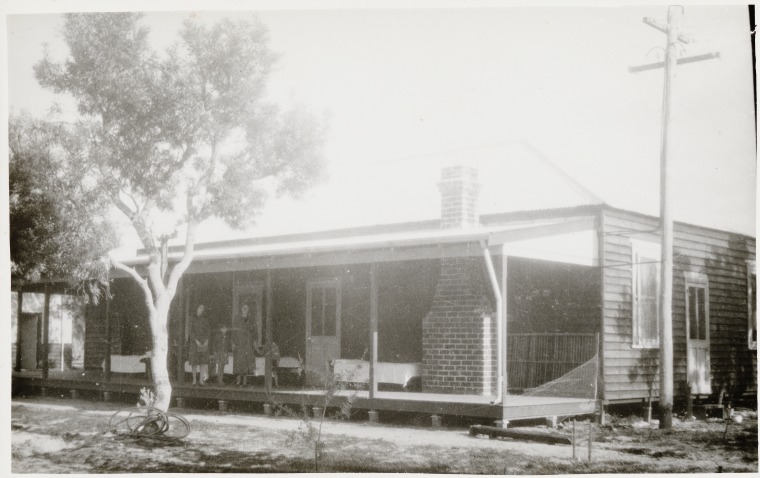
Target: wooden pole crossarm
(664, 29)
(680, 61)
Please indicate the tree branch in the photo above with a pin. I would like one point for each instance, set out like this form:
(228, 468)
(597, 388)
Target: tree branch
(154, 267)
(140, 281)
(138, 222)
(187, 258)
(154, 273)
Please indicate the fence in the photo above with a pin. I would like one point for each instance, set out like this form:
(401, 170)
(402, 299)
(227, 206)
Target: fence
(552, 364)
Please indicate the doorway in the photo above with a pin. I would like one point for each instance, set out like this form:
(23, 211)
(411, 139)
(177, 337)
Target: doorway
(698, 338)
(31, 336)
(323, 311)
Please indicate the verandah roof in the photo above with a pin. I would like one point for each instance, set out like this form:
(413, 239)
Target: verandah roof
(570, 240)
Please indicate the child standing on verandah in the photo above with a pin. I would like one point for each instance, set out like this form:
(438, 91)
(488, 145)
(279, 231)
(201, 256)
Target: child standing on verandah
(220, 349)
(199, 331)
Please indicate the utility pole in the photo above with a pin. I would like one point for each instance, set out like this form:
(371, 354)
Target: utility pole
(666, 204)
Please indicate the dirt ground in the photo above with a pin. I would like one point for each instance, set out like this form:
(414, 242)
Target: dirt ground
(72, 436)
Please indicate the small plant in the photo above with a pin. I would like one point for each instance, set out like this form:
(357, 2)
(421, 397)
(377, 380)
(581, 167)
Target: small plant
(309, 431)
(147, 398)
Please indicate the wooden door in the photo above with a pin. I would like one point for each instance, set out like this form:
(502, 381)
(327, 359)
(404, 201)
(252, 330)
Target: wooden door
(323, 310)
(698, 339)
(30, 339)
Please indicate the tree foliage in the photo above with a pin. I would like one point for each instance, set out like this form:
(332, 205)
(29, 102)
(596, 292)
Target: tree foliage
(177, 137)
(191, 122)
(59, 227)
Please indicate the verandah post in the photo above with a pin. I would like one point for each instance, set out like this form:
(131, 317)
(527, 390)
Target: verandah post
(373, 311)
(268, 334)
(504, 335)
(596, 379)
(107, 358)
(187, 292)
(19, 309)
(179, 332)
(45, 332)
(600, 417)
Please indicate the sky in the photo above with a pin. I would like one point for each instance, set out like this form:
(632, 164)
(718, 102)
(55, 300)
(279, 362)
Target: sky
(404, 91)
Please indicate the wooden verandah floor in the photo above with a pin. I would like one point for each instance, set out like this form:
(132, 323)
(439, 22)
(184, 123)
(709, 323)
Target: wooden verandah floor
(93, 383)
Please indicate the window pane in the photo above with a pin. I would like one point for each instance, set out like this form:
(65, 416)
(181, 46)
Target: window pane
(331, 310)
(649, 280)
(649, 321)
(648, 301)
(316, 311)
(701, 314)
(693, 321)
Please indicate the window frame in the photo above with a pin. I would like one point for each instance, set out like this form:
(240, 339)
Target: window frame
(319, 284)
(751, 301)
(649, 250)
(697, 280)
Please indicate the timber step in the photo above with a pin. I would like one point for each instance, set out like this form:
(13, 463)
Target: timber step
(543, 437)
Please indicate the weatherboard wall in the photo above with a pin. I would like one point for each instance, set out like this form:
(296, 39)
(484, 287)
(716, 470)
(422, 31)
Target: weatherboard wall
(631, 373)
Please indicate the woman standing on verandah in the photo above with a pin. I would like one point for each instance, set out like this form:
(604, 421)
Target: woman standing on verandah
(199, 332)
(246, 343)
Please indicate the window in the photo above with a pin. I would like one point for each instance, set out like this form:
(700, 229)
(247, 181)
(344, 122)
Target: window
(697, 305)
(324, 305)
(645, 294)
(751, 306)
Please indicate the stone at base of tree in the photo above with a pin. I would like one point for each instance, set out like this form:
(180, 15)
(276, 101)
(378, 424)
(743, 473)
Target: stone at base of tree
(374, 416)
(106, 396)
(436, 421)
(180, 402)
(317, 411)
(222, 405)
(268, 409)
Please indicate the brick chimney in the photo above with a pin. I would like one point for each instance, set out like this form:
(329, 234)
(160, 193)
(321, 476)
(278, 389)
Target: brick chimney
(458, 335)
(459, 197)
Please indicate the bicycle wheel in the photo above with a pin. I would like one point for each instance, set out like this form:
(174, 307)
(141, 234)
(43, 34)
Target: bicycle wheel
(149, 421)
(140, 420)
(177, 426)
(119, 421)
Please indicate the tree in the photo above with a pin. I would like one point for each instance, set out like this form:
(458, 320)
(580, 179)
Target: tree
(175, 139)
(59, 225)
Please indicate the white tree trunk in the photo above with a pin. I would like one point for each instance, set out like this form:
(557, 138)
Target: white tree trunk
(158, 298)
(158, 317)
(160, 334)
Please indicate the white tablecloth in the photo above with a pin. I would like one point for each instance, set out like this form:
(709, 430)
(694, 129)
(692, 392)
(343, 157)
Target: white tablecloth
(258, 372)
(349, 370)
(127, 363)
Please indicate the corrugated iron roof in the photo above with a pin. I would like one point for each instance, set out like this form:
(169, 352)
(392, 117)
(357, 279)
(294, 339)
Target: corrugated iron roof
(513, 176)
(370, 240)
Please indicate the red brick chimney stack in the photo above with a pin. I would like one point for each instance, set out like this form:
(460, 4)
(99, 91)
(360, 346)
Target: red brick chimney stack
(459, 197)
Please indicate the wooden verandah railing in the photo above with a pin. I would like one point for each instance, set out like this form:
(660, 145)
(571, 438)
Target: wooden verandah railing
(537, 358)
